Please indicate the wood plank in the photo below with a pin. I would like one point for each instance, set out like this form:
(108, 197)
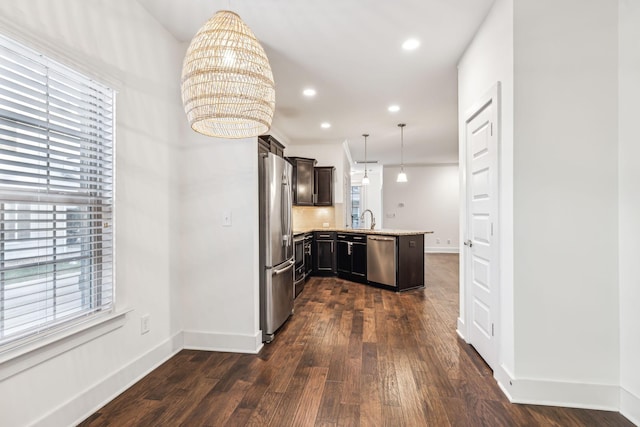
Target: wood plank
(370, 397)
(330, 403)
(266, 409)
(311, 398)
(349, 416)
(351, 390)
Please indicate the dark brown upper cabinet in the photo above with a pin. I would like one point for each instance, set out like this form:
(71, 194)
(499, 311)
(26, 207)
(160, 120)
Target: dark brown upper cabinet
(267, 143)
(312, 186)
(303, 180)
(323, 185)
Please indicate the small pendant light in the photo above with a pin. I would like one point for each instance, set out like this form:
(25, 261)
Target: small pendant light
(365, 179)
(402, 177)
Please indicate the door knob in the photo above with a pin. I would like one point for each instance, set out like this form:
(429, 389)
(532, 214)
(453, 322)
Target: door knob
(468, 243)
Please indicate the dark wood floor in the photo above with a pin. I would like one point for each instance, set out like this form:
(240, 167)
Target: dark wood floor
(351, 355)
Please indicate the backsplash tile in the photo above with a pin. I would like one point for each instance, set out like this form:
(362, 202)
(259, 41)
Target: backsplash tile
(306, 217)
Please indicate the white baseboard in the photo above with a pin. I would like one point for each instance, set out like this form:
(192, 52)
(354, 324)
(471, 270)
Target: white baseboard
(89, 401)
(440, 250)
(630, 406)
(557, 393)
(235, 343)
(462, 329)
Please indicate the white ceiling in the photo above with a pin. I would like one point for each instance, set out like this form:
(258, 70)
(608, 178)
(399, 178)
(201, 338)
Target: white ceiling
(350, 52)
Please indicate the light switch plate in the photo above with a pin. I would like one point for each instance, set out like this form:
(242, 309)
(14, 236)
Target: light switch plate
(145, 324)
(226, 219)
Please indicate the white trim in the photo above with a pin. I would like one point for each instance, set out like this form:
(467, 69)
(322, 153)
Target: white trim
(234, 343)
(441, 250)
(630, 406)
(561, 393)
(41, 349)
(420, 164)
(87, 402)
(461, 330)
(347, 153)
(504, 379)
(97, 69)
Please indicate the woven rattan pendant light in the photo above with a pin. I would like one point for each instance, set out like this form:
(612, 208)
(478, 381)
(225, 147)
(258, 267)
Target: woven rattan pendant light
(227, 84)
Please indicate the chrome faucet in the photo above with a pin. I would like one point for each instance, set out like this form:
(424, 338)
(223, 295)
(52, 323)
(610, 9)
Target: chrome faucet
(373, 218)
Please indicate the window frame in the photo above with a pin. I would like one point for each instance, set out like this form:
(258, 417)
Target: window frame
(96, 316)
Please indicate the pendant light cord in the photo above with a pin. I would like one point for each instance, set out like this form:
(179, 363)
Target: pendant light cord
(401, 125)
(365, 153)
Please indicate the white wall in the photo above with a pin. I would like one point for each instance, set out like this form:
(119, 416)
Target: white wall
(629, 207)
(346, 185)
(116, 41)
(565, 197)
(428, 201)
(219, 265)
(488, 60)
(569, 200)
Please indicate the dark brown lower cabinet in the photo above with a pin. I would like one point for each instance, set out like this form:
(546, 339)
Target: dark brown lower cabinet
(410, 261)
(352, 257)
(345, 255)
(308, 254)
(325, 253)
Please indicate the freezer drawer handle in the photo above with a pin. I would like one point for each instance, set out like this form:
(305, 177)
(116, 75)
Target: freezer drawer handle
(285, 268)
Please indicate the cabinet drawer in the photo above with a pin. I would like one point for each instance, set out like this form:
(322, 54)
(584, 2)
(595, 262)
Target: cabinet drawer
(349, 237)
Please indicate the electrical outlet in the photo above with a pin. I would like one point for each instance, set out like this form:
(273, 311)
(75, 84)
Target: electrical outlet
(145, 324)
(437, 241)
(448, 241)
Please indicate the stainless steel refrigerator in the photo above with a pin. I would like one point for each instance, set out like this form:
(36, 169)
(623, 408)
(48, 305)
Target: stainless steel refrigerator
(276, 244)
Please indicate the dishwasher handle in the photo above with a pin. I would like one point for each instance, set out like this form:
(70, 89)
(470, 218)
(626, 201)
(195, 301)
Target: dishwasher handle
(384, 239)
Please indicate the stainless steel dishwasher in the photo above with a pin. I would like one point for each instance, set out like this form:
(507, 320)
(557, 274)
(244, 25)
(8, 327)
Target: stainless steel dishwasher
(381, 260)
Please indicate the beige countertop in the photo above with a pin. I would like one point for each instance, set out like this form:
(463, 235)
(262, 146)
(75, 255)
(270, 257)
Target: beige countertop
(387, 231)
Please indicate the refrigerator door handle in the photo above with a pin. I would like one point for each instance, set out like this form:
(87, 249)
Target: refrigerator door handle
(285, 268)
(286, 208)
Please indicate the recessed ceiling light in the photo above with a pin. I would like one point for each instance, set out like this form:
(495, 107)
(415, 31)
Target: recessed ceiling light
(309, 92)
(394, 108)
(325, 125)
(410, 44)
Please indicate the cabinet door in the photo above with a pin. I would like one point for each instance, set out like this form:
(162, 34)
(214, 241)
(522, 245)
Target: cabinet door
(359, 260)
(271, 144)
(323, 186)
(343, 256)
(308, 256)
(303, 182)
(324, 256)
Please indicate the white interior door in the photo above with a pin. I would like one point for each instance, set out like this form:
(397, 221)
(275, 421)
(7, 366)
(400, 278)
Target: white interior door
(481, 244)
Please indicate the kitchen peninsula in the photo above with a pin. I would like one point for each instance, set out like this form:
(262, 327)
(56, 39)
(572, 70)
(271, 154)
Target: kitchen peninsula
(387, 258)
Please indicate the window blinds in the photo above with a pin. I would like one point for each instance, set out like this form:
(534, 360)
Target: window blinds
(56, 194)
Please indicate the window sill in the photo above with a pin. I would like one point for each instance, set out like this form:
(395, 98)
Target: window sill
(21, 357)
